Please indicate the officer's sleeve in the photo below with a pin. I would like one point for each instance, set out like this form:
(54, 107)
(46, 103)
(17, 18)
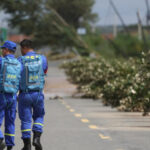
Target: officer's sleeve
(45, 64)
(0, 61)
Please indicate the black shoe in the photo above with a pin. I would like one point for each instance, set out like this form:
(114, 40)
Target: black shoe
(9, 147)
(36, 140)
(27, 144)
(2, 144)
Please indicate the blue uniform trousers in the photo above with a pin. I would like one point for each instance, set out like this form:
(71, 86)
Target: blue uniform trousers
(8, 104)
(31, 105)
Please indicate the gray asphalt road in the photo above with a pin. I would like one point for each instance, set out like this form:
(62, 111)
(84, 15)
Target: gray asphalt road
(85, 124)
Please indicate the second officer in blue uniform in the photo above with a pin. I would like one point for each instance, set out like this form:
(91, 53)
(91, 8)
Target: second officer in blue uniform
(31, 98)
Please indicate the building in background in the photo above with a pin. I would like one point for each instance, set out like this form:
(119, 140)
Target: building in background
(17, 38)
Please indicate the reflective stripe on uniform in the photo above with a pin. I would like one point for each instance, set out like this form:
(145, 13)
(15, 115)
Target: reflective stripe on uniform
(39, 124)
(26, 130)
(7, 134)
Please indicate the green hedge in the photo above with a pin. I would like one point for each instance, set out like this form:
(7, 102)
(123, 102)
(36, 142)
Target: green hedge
(123, 84)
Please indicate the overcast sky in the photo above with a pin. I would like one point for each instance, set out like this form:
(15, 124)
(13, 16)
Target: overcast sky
(127, 9)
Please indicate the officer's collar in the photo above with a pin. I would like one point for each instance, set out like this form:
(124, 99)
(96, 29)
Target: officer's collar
(31, 52)
(10, 55)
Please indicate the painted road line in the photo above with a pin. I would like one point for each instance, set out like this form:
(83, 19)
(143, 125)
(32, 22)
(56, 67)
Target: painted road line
(67, 106)
(93, 127)
(85, 120)
(78, 115)
(72, 110)
(63, 102)
(104, 137)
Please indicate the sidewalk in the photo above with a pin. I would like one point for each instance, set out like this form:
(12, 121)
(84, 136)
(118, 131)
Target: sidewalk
(57, 83)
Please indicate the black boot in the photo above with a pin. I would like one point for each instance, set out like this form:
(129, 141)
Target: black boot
(9, 147)
(27, 144)
(36, 140)
(2, 144)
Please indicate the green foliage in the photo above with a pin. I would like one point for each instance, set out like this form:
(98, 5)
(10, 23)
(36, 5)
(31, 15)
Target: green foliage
(99, 45)
(123, 84)
(129, 46)
(94, 40)
(50, 22)
(122, 46)
(25, 14)
(76, 12)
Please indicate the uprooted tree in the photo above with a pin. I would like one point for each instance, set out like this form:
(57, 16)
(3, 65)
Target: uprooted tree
(51, 22)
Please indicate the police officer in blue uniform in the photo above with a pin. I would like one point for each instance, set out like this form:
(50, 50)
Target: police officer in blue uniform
(10, 69)
(31, 98)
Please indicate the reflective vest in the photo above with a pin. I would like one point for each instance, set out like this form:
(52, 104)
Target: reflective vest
(10, 75)
(32, 76)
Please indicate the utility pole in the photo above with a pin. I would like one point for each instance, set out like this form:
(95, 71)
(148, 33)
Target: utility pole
(139, 26)
(119, 16)
(115, 31)
(142, 31)
(148, 12)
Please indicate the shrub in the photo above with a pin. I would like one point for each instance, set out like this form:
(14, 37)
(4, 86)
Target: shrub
(123, 84)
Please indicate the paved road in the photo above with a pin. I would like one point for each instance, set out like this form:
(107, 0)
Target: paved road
(85, 124)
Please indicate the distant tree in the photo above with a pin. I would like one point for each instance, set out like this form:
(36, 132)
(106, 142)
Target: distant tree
(43, 19)
(76, 12)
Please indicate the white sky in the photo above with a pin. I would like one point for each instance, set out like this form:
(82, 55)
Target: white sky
(127, 9)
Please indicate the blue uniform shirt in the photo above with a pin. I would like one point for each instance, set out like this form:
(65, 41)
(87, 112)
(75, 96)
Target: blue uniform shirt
(9, 55)
(44, 60)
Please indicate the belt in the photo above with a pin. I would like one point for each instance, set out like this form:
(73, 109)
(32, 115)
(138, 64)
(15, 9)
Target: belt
(2, 92)
(29, 91)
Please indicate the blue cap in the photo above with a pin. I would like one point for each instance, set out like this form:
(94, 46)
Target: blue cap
(10, 45)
